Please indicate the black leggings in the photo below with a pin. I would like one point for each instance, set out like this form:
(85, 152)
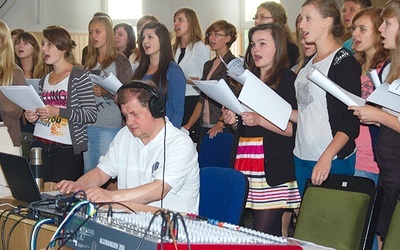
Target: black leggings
(269, 221)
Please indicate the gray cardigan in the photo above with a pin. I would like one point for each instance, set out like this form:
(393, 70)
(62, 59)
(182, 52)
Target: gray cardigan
(81, 107)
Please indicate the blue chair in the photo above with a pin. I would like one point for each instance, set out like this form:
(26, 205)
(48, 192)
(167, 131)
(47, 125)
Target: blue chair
(216, 151)
(223, 194)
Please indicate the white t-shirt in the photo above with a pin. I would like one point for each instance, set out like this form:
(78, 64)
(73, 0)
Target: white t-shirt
(193, 61)
(314, 132)
(55, 128)
(136, 164)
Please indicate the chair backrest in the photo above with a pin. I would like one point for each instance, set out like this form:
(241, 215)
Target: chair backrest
(223, 194)
(392, 240)
(215, 151)
(341, 213)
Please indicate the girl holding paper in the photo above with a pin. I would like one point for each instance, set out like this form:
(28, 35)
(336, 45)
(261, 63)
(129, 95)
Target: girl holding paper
(326, 130)
(220, 35)
(370, 53)
(61, 125)
(11, 75)
(103, 59)
(388, 145)
(262, 151)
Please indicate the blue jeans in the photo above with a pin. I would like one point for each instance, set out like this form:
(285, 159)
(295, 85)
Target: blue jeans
(367, 174)
(99, 139)
(304, 169)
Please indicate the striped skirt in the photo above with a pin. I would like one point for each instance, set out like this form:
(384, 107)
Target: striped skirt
(250, 161)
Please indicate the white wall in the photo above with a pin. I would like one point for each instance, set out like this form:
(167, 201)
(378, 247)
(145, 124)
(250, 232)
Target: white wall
(74, 15)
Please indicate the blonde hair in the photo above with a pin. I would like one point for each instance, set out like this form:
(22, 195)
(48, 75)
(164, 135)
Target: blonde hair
(110, 50)
(392, 10)
(6, 55)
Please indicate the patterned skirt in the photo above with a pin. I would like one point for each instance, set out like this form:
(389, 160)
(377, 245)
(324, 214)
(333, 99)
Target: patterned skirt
(250, 161)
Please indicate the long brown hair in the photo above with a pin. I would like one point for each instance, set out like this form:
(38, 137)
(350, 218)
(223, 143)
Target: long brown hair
(280, 61)
(195, 33)
(165, 58)
(28, 37)
(381, 53)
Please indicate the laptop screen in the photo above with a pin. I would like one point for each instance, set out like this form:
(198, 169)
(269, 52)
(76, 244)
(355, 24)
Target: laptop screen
(19, 177)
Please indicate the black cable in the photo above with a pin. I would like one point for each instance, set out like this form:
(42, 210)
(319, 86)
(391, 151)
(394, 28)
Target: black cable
(148, 228)
(10, 212)
(11, 231)
(4, 3)
(165, 157)
(185, 229)
(115, 202)
(71, 235)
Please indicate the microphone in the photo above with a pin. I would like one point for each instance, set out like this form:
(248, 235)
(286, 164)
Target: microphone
(36, 166)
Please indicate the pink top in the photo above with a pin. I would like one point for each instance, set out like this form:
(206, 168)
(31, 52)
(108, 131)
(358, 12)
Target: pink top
(365, 155)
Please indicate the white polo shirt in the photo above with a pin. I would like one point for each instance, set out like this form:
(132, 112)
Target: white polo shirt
(136, 164)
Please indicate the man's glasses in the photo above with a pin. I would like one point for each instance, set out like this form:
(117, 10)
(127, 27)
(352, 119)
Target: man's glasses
(262, 17)
(215, 34)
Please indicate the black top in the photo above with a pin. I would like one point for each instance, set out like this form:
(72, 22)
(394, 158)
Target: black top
(278, 149)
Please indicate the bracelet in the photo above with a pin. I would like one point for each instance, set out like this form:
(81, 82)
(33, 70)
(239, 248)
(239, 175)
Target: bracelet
(221, 120)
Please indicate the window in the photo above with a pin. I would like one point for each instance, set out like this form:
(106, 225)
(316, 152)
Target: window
(250, 9)
(124, 10)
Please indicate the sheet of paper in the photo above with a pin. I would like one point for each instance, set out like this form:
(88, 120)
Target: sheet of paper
(234, 67)
(329, 86)
(220, 92)
(383, 97)
(239, 75)
(394, 87)
(373, 76)
(263, 100)
(191, 90)
(34, 82)
(111, 83)
(23, 96)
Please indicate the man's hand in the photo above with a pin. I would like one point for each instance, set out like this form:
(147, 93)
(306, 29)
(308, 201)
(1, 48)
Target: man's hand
(98, 194)
(67, 187)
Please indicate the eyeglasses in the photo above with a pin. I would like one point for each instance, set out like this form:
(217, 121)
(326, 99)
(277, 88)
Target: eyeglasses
(215, 34)
(262, 17)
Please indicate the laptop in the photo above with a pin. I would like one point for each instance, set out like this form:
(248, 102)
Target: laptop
(20, 179)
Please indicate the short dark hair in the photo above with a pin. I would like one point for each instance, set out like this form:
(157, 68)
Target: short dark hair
(363, 3)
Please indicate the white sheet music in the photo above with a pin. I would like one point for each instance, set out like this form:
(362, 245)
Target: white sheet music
(381, 95)
(255, 96)
(329, 86)
(373, 76)
(263, 100)
(220, 92)
(23, 96)
(111, 83)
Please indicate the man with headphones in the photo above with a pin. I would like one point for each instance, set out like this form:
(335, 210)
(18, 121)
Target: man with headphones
(155, 162)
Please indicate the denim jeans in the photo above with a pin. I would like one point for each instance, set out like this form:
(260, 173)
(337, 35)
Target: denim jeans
(99, 139)
(304, 169)
(367, 174)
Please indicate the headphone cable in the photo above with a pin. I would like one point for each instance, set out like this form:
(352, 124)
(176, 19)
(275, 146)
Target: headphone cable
(163, 175)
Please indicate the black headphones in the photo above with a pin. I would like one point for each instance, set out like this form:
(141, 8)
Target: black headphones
(156, 103)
